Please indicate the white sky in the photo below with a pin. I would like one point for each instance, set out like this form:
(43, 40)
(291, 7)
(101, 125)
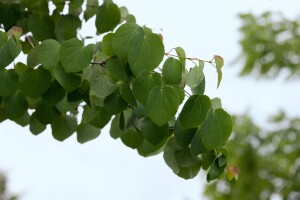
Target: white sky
(40, 167)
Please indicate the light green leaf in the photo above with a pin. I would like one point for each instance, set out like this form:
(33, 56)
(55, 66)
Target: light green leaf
(63, 127)
(181, 55)
(41, 26)
(34, 82)
(8, 82)
(180, 92)
(214, 132)
(74, 56)
(153, 133)
(219, 77)
(145, 52)
(216, 103)
(123, 36)
(48, 53)
(219, 62)
(117, 68)
(91, 9)
(106, 44)
(87, 132)
(162, 104)
(101, 85)
(194, 111)
(172, 71)
(194, 77)
(143, 84)
(108, 17)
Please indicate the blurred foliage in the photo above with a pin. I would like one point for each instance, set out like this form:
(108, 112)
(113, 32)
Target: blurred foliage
(4, 194)
(270, 43)
(269, 161)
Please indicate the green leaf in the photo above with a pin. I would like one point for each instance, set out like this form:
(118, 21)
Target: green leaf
(101, 119)
(172, 70)
(63, 127)
(9, 51)
(123, 36)
(147, 149)
(41, 26)
(114, 103)
(207, 159)
(32, 60)
(8, 83)
(183, 136)
(215, 170)
(46, 113)
(54, 94)
(48, 53)
(115, 131)
(106, 44)
(3, 38)
(162, 104)
(199, 89)
(67, 27)
(108, 17)
(117, 68)
(180, 92)
(216, 103)
(181, 160)
(219, 62)
(126, 93)
(194, 111)
(181, 55)
(74, 56)
(23, 120)
(194, 77)
(34, 82)
(15, 106)
(86, 132)
(132, 138)
(68, 81)
(101, 85)
(145, 52)
(35, 126)
(91, 9)
(14, 31)
(219, 77)
(214, 132)
(143, 84)
(153, 133)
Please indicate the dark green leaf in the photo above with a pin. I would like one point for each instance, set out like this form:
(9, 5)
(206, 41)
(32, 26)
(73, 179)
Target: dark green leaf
(117, 68)
(86, 132)
(45, 113)
(32, 60)
(41, 26)
(143, 84)
(215, 170)
(35, 126)
(54, 94)
(108, 17)
(8, 83)
(15, 106)
(162, 104)
(207, 159)
(68, 81)
(132, 138)
(194, 111)
(199, 89)
(126, 93)
(114, 103)
(101, 119)
(147, 149)
(172, 70)
(183, 136)
(63, 127)
(153, 133)
(34, 82)
(9, 51)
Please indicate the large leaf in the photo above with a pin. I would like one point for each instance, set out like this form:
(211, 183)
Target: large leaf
(34, 82)
(101, 85)
(108, 17)
(181, 55)
(183, 136)
(143, 84)
(48, 53)
(41, 26)
(68, 81)
(117, 68)
(63, 127)
(54, 94)
(195, 77)
(9, 51)
(8, 82)
(162, 104)
(15, 106)
(146, 51)
(214, 132)
(123, 36)
(172, 70)
(87, 132)
(153, 133)
(114, 103)
(194, 111)
(74, 56)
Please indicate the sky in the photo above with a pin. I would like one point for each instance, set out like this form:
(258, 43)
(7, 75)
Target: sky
(39, 167)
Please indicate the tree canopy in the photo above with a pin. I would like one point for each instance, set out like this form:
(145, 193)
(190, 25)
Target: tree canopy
(127, 79)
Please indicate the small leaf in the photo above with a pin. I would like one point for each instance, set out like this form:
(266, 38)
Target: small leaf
(171, 71)
(101, 85)
(219, 62)
(215, 170)
(216, 103)
(232, 172)
(68, 81)
(74, 56)
(126, 93)
(86, 132)
(108, 17)
(9, 51)
(199, 89)
(106, 44)
(183, 136)
(14, 31)
(181, 55)
(162, 104)
(35, 126)
(219, 77)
